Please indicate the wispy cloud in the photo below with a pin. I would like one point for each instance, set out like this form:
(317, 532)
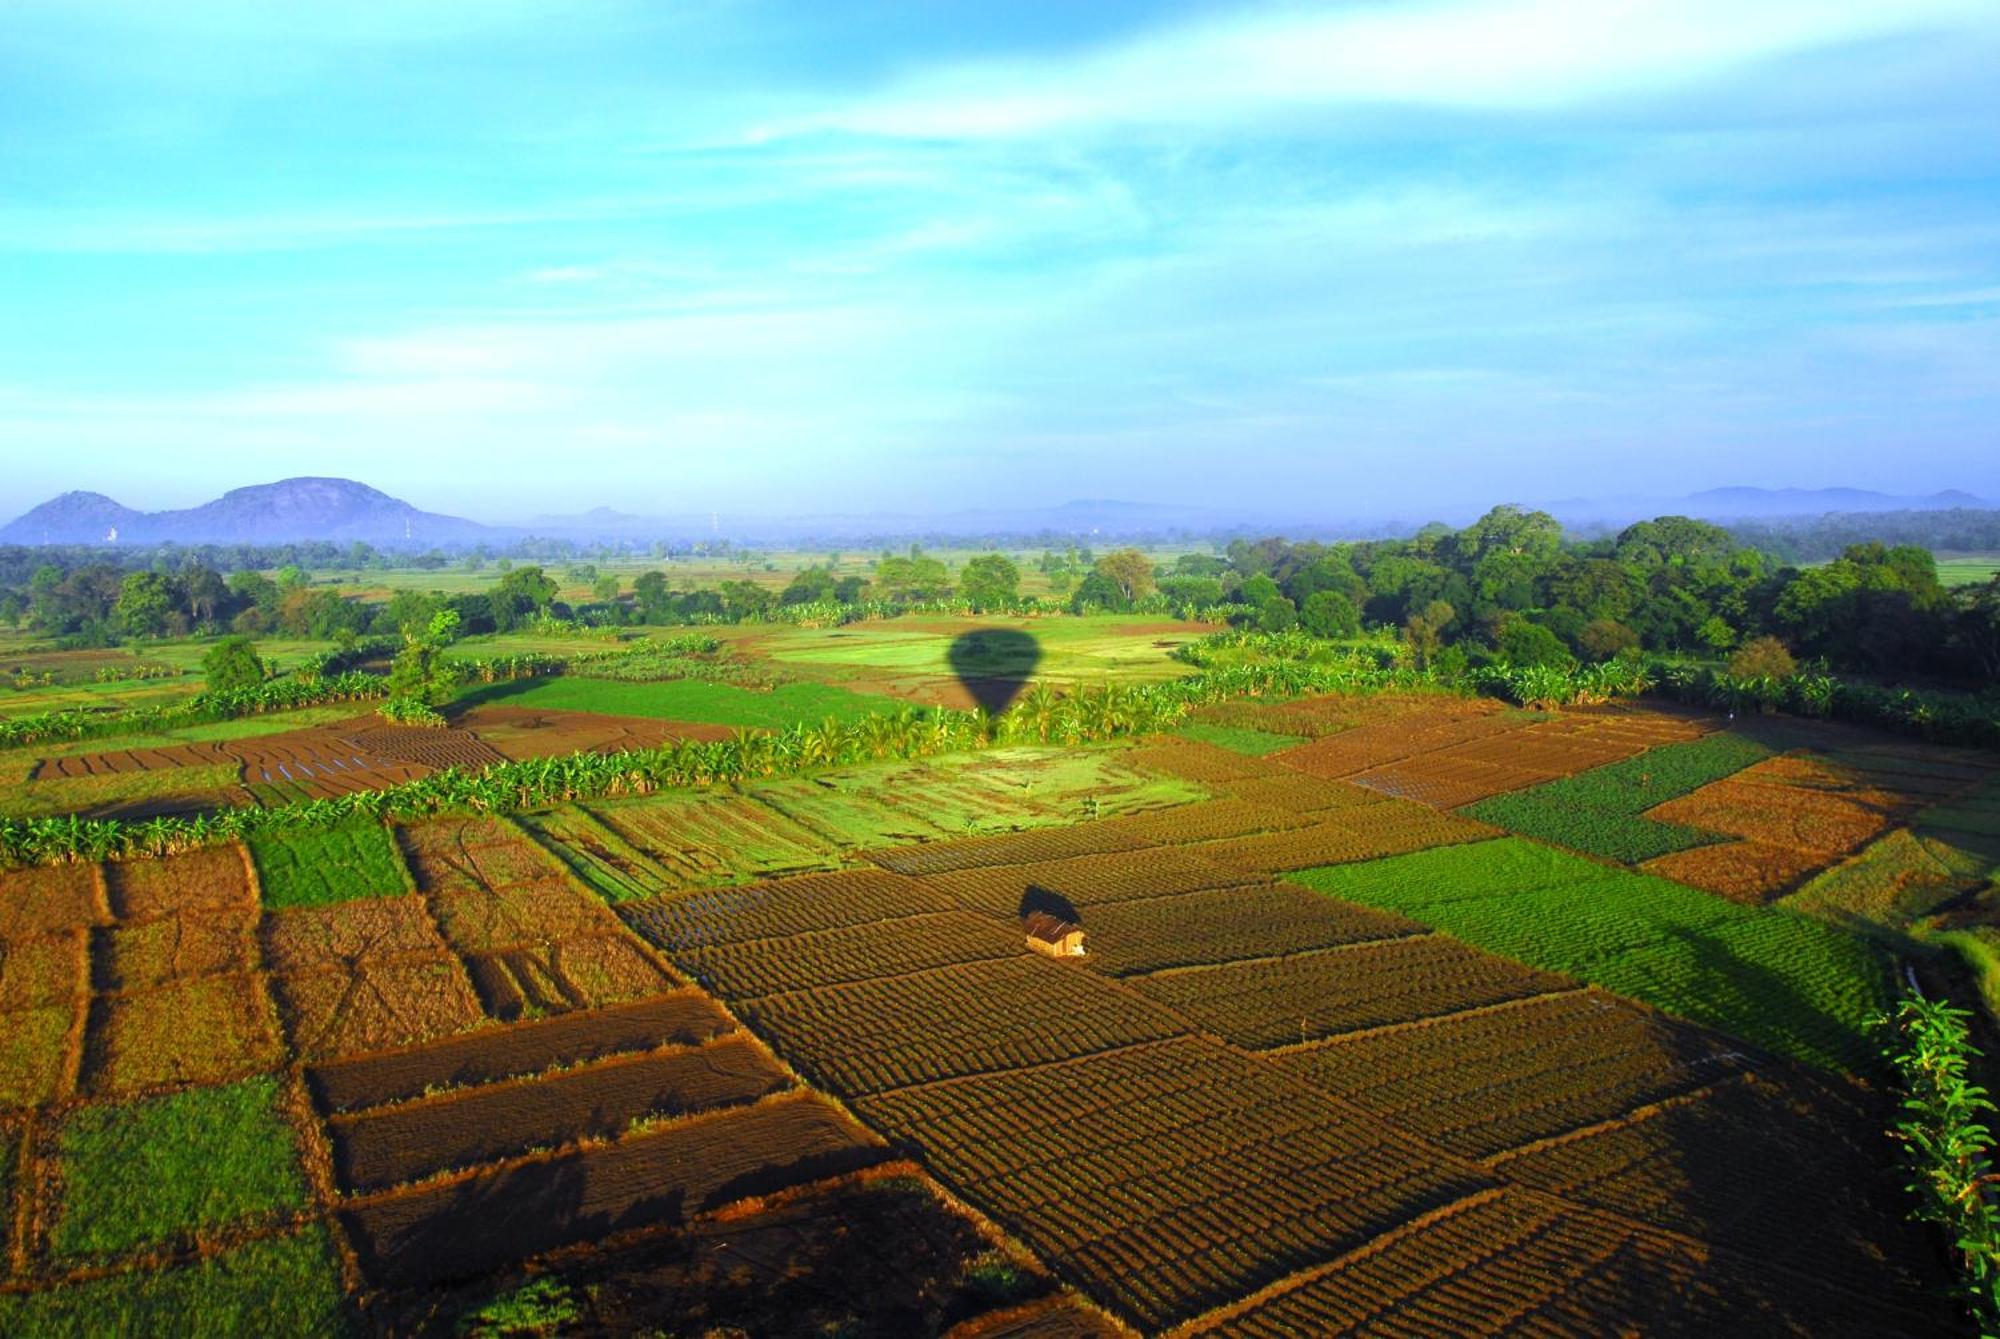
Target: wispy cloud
(1462, 54)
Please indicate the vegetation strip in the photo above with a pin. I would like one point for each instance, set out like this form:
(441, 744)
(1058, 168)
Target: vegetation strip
(1785, 981)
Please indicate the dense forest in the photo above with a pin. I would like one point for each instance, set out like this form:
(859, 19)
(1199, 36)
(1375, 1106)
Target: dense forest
(1509, 588)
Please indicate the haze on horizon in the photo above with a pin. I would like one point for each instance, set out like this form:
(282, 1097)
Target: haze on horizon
(508, 257)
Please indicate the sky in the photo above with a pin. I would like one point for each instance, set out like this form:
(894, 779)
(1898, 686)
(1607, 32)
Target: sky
(517, 257)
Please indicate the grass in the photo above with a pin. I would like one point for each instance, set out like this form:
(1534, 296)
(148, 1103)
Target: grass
(127, 794)
(318, 869)
(278, 1285)
(1065, 650)
(1240, 738)
(142, 1173)
(1967, 569)
(689, 700)
(1601, 811)
(1785, 981)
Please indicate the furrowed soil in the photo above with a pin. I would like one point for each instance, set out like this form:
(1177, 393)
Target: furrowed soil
(489, 1056)
(459, 1228)
(380, 1149)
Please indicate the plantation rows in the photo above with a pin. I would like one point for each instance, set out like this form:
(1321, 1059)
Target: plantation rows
(1306, 996)
(1170, 1177)
(874, 1035)
(1490, 1080)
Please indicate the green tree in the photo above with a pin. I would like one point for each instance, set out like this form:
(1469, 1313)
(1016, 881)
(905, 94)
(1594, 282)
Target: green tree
(1131, 570)
(1523, 643)
(1763, 658)
(145, 602)
(1604, 638)
(990, 581)
(1277, 614)
(421, 673)
(232, 664)
(1330, 613)
(605, 589)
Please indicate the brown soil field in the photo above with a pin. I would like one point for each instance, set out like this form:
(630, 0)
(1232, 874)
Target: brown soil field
(1205, 764)
(1172, 1177)
(685, 921)
(1286, 1001)
(347, 934)
(50, 898)
(491, 1055)
(575, 973)
(1317, 717)
(165, 759)
(460, 1228)
(1224, 924)
(40, 970)
(35, 1046)
(855, 953)
(1755, 872)
(519, 916)
(209, 1029)
(1086, 881)
(457, 854)
(1560, 1271)
(1370, 746)
(151, 954)
(868, 1036)
(436, 749)
(380, 1149)
(1052, 1318)
(1784, 1168)
(209, 880)
(1497, 1078)
(521, 732)
(1293, 792)
(377, 1004)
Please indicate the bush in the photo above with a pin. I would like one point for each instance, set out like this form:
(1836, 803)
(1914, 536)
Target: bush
(232, 665)
(1328, 613)
(1763, 658)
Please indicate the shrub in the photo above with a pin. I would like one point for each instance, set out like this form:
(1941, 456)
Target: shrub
(231, 665)
(1763, 658)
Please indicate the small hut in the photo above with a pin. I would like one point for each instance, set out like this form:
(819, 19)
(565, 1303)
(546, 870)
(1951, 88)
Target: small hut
(1051, 934)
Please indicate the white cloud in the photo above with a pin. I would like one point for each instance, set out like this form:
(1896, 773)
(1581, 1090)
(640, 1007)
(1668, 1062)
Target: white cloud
(1465, 54)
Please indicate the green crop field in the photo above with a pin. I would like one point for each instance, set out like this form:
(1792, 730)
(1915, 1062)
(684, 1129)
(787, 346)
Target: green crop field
(1600, 811)
(277, 1285)
(1240, 738)
(316, 869)
(690, 700)
(1065, 650)
(1784, 981)
(1967, 569)
(155, 1171)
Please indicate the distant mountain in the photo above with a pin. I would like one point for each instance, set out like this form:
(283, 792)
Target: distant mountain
(74, 518)
(1746, 502)
(336, 510)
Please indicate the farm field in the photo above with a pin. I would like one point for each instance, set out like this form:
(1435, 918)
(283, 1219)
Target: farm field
(1360, 1026)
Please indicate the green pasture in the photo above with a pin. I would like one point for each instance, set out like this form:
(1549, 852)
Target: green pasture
(688, 700)
(114, 793)
(1967, 569)
(1601, 811)
(317, 869)
(1065, 650)
(1784, 981)
(1239, 738)
(276, 1285)
(150, 1172)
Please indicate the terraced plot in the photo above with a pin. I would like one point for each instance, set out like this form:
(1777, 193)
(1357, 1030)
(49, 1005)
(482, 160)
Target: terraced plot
(1262, 1003)
(1171, 1177)
(873, 1035)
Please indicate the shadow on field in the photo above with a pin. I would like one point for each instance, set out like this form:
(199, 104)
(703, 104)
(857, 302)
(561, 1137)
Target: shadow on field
(994, 664)
(1038, 898)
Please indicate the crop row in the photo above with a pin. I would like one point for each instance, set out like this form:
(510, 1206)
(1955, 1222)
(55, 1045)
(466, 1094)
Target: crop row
(871, 1036)
(1085, 880)
(1219, 925)
(1168, 1178)
(853, 953)
(686, 922)
(1330, 991)
(1480, 1083)
(1359, 834)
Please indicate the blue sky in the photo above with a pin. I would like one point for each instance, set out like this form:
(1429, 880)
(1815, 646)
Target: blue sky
(505, 257)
